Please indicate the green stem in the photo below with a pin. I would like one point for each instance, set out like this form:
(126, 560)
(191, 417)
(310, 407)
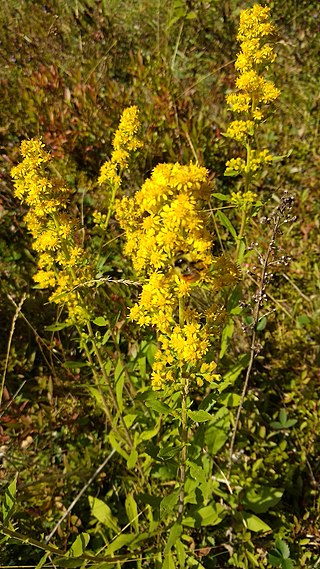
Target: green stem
(110, 210)
(183, 425)
(242, 230)
(127, 438)
(54, 550)
(245, 207)
(184, 439)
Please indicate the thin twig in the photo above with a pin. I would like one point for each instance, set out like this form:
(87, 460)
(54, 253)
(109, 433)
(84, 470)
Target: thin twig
(40, 341)
(82, 491)
(297, 288)
(13, 325)
(280, 210)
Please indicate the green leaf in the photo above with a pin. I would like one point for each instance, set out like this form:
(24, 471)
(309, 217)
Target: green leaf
(226, 335)
(120, 541)
(169, 451)
(283, 548)
(119, 377)
(115, 444)
(287, 564)
(103, 565)
(42, 561)
(151, 350)
(217, 431)
(261, 324)
(242, 250)
(71, 364)
(168, 503)
(208, 402)
(9, 499)
(260, 499)
(210, 515)
(253, 523)
(199, 416)
(302, 321)
(284, 422)
(132, 459)
(57, 327)
(129, 419)
(221, 197)
(230, 377)
(101, 321)
(142, 365)
(229, 399)
(106, 337)
(181, 553)
(158, 406)
(174, 534)
(274, 558)
(231, 173)
(168, 562)
(197, 472)
(132, 511)
(70, 563)
(148, 434)
(102, 513)
(283, 417)
(97, 396)
(79, 545)
(252, 558)
(226, 223)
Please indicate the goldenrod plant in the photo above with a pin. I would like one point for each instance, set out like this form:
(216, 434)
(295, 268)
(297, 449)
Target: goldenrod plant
(172, 444)
(250, 102)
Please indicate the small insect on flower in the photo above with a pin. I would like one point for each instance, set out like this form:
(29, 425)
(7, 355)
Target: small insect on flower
(186, 268)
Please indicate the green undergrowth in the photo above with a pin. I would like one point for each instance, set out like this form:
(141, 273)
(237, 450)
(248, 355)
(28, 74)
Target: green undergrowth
(69, 69)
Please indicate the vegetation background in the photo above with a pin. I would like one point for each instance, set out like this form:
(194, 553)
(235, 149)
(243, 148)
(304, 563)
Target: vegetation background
(69, 68)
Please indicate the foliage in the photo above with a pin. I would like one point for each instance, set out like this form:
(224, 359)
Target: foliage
(99, 469)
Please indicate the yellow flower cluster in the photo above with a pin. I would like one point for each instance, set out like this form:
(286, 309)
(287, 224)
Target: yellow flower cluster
(170, 248)
(61, 264)
(255, 56)
(241, 199)
(164, 219)
(125, 141)
(100, 220)
(236, 166)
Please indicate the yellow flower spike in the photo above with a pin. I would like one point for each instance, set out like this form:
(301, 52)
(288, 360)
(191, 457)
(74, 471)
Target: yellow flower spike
(255, 23)
(53, 230)
(125, 136)
(167, 240)
(109, 173)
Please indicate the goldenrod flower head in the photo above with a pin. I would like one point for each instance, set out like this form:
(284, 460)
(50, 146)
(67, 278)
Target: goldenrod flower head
(168, 243)
(126, 134)
(239, 102)
(242, 199)
(164, 218)
(237, 166)
(125, 141)
(255, 23)
(240, 130)
(52, 228)
(45, 279)
(255, 56)
(109, 173)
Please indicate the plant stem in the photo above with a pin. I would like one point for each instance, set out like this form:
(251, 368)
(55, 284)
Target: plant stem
(127, 438)
(183, 424)
(256, 312)
(245, 207)
(184, 439)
